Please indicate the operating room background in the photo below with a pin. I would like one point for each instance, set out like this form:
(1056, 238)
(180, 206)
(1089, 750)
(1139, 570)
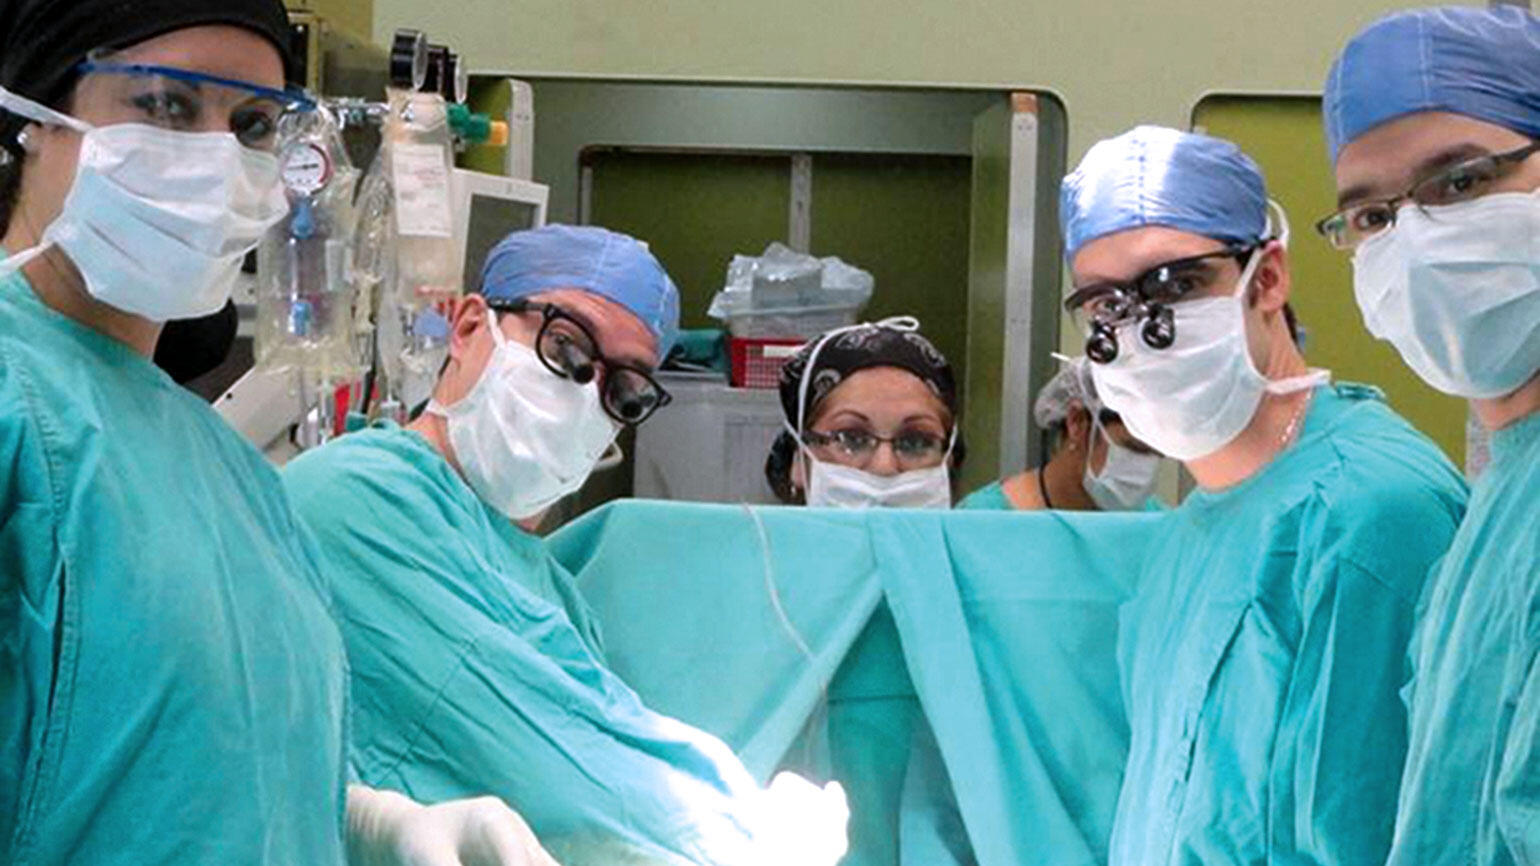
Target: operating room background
(1104, 64)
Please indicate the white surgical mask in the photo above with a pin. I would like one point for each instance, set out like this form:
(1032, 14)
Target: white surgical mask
(831, 485)
(1456, 290)
(1192, 399)
(158, 221)
(524, 436)
(1127, 479)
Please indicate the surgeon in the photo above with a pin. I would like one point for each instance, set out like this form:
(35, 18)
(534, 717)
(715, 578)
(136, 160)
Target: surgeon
(1264, 650)
(1097, 465)
(1433, 124)
(174, 686)
(871, 422)
(476, 664)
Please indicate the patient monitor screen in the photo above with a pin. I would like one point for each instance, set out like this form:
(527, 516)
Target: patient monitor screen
(491, 220)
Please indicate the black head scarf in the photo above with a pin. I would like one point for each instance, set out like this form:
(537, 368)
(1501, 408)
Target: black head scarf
(43, 41)
(884, 344)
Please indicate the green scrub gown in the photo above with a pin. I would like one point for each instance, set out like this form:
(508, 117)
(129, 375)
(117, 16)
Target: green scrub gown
(1471, 794)
(1263, 656)
(477, 669)
(991, 497)
(881, 748)
(172, 684)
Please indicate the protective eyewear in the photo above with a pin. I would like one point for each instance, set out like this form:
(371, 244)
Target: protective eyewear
(913, 449)
(1471, 179)
(1100, 309)
(568, 349)
(188, 101)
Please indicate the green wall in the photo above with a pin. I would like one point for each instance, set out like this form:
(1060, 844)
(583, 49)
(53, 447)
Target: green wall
(902, 217)
(905, 219)
(695, 211)
(1283, 134)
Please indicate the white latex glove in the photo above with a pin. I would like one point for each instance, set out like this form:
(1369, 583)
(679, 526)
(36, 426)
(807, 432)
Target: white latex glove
(388, 829)
(802, 823)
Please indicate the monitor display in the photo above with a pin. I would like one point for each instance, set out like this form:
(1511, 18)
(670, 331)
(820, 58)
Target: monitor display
(488, 208)
(491, 220)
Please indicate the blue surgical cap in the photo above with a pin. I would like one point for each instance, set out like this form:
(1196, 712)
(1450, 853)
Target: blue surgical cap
(605, 263)
(1154, 176)
(1482, 63)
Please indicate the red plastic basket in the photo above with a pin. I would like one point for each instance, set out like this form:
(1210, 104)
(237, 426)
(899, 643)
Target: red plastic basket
(756, 361)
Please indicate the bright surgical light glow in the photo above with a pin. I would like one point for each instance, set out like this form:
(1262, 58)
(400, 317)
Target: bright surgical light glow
(802, 823)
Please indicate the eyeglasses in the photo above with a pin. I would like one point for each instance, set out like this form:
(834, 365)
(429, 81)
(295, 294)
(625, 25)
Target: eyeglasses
(1471, 179)
(913, 449)
(568, 349)
(180, 99)
(1100, 309)
(1165, 283)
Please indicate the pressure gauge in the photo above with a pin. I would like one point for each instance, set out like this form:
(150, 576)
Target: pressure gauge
(306, 168)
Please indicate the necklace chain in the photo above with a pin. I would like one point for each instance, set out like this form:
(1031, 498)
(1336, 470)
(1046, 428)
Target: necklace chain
(1293, 425)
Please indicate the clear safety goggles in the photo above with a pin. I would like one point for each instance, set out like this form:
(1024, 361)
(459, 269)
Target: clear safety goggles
(111, 91)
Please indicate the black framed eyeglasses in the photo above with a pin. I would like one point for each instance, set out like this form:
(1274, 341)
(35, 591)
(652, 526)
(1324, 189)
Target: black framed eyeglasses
(568, 349)
(1471, 179)
(913, 449)
(1100, 308)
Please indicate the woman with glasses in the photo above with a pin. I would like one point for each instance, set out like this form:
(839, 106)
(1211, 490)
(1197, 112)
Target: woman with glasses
(174, 683)
(871, 421)
(477, 666)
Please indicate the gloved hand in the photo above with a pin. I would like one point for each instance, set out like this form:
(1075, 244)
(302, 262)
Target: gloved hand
(388, 829)
(802, 823)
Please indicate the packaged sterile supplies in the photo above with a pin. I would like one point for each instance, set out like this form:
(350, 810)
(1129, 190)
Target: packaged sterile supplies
(784, 293)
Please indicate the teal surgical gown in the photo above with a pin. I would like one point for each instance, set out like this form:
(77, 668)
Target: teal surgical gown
(172, 684)
(477, 668)
(990, 497)
(737, 618)
(1263, 655)
(881, 748)
(1471, 794)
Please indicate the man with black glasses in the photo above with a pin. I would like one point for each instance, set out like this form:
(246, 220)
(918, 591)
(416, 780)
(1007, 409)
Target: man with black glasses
(1433, 124)
(476, 664)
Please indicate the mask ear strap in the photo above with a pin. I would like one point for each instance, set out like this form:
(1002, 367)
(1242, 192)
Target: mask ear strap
(1277, 230)
(1249, 272)
(434, 407)
(496, 325)
(18, 261)
(807, 378)
(908, 324)
(1280, 220)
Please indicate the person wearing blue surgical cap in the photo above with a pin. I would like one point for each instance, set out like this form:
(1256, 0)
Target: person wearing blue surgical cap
(477, 667)
(1433, 123)
(1262, 655)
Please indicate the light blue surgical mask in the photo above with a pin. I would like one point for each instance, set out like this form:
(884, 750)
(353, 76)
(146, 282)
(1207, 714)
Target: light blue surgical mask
(157, 221)
(1456, 289)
